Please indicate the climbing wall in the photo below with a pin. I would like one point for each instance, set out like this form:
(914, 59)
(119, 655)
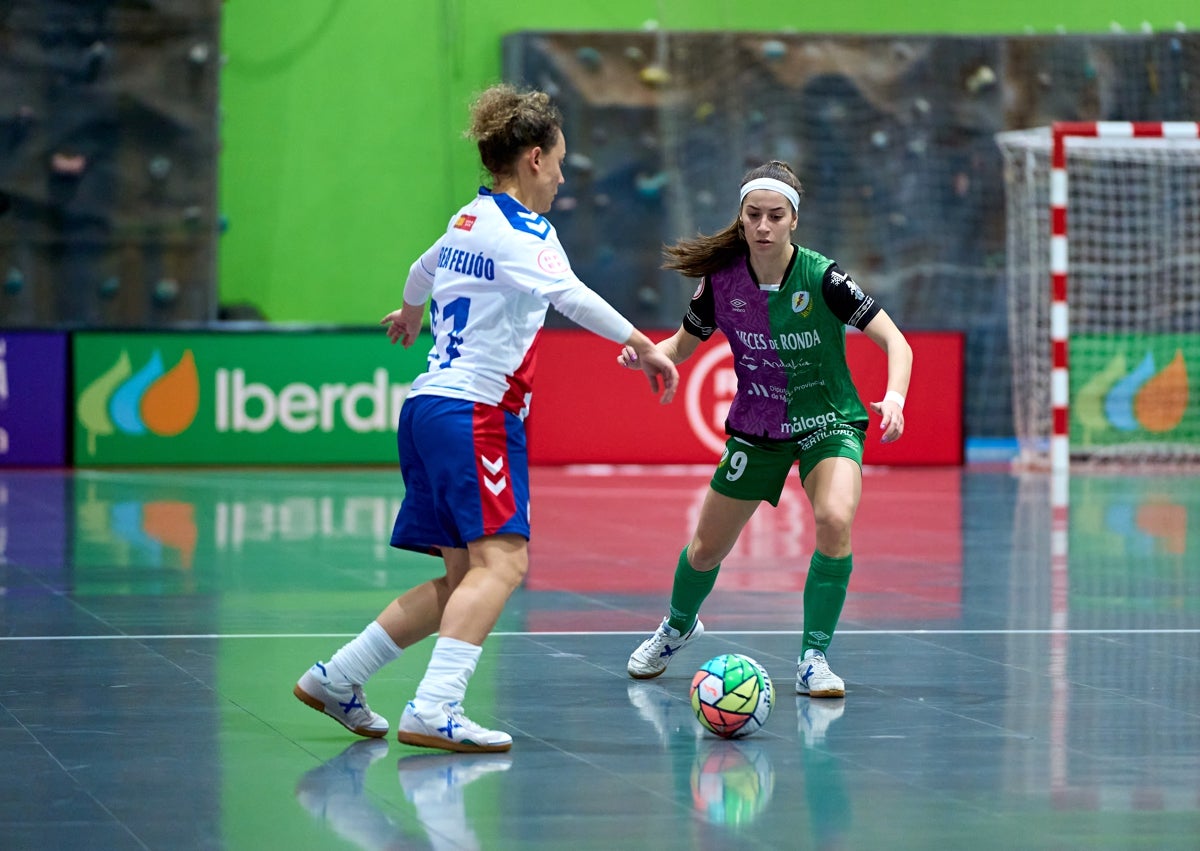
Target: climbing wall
(108, 162)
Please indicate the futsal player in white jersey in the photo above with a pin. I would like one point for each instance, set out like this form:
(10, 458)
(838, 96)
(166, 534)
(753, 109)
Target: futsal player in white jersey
(489, 281)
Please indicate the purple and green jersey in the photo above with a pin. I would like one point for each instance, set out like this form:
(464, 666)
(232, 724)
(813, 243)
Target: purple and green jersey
(788, 343)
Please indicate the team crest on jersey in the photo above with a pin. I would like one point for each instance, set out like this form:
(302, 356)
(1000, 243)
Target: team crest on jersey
(464, 222)
(802, 303)
(840, 278)
(551, 262)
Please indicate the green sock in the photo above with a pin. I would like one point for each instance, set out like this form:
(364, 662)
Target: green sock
(824, 594)
(688, 593)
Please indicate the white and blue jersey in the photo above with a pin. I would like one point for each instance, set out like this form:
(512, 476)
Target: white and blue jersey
(490, 279)
(492, 276)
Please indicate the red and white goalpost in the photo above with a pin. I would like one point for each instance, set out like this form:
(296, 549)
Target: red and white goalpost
(1059, 254)
(1103, 273)
(1104, 326)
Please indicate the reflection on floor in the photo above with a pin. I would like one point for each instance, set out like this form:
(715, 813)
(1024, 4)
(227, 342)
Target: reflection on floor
(152, 624)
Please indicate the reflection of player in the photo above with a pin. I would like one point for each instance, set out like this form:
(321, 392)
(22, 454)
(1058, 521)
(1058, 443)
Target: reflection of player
(334, 794)
(824, 787)
(666, 713)
(783, 310)
(434, 784)
(813, 718)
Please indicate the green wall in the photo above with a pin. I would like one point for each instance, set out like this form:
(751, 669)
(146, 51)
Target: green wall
(342, 151)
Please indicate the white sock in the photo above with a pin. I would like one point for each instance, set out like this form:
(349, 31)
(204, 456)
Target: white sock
(450, 666)
(363, 656)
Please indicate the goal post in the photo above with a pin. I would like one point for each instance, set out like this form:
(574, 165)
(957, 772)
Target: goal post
(1103, 274)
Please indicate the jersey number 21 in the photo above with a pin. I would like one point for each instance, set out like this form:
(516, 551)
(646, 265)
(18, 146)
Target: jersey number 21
(447, 324)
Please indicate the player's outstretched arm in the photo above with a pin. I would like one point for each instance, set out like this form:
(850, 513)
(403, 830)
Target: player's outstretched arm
(678, 347)
(883, 331)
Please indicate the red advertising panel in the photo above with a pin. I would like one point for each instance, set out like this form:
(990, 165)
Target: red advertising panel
(586, 409)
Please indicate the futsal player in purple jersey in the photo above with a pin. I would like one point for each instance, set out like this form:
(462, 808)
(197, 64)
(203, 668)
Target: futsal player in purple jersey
(784, 310)
(489, 280)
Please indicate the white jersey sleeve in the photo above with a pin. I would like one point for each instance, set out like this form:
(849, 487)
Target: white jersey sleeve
(419, 284)
(541, 268)
(586, 308)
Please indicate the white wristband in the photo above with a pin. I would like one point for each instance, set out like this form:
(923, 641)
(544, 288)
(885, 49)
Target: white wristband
(893, 396)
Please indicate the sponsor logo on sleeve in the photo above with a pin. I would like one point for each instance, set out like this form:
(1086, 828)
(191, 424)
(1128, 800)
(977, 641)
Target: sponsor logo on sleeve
(842, 279)
(551, 262)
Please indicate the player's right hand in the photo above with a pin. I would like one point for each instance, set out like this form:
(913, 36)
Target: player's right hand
(628, 358)
(404, 325)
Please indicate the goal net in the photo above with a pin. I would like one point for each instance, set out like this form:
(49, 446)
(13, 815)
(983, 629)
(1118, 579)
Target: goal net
(1103, 274)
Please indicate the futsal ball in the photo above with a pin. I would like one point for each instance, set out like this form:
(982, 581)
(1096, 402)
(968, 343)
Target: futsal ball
(731, 696)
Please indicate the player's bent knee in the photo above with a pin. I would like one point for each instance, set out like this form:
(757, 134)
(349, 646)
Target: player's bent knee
(704, 559)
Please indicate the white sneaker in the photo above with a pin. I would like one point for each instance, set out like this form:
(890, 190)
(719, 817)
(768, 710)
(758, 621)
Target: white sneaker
(814, 678)
(652, 657)
(342, 701)
(447, 728)
(813, 718)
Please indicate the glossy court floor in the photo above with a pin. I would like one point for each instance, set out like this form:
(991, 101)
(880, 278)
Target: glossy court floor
(1010, 684)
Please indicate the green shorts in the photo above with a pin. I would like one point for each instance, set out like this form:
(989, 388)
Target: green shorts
(759, 471)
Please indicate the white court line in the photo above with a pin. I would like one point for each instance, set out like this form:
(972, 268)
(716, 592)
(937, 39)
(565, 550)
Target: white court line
(161, 637)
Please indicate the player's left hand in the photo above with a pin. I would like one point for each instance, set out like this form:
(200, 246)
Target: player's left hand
(404, 325)
(892, 422)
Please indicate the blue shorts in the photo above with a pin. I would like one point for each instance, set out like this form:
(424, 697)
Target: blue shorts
(466, 474)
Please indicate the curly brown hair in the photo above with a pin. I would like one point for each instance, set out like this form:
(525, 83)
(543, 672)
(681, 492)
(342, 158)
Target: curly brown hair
(506, 120)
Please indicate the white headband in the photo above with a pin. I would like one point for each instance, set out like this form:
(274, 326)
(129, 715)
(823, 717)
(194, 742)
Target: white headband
(775, 186)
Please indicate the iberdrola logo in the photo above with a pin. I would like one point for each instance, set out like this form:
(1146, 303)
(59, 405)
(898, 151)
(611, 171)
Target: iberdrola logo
(153, 400)
(1145, 397)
